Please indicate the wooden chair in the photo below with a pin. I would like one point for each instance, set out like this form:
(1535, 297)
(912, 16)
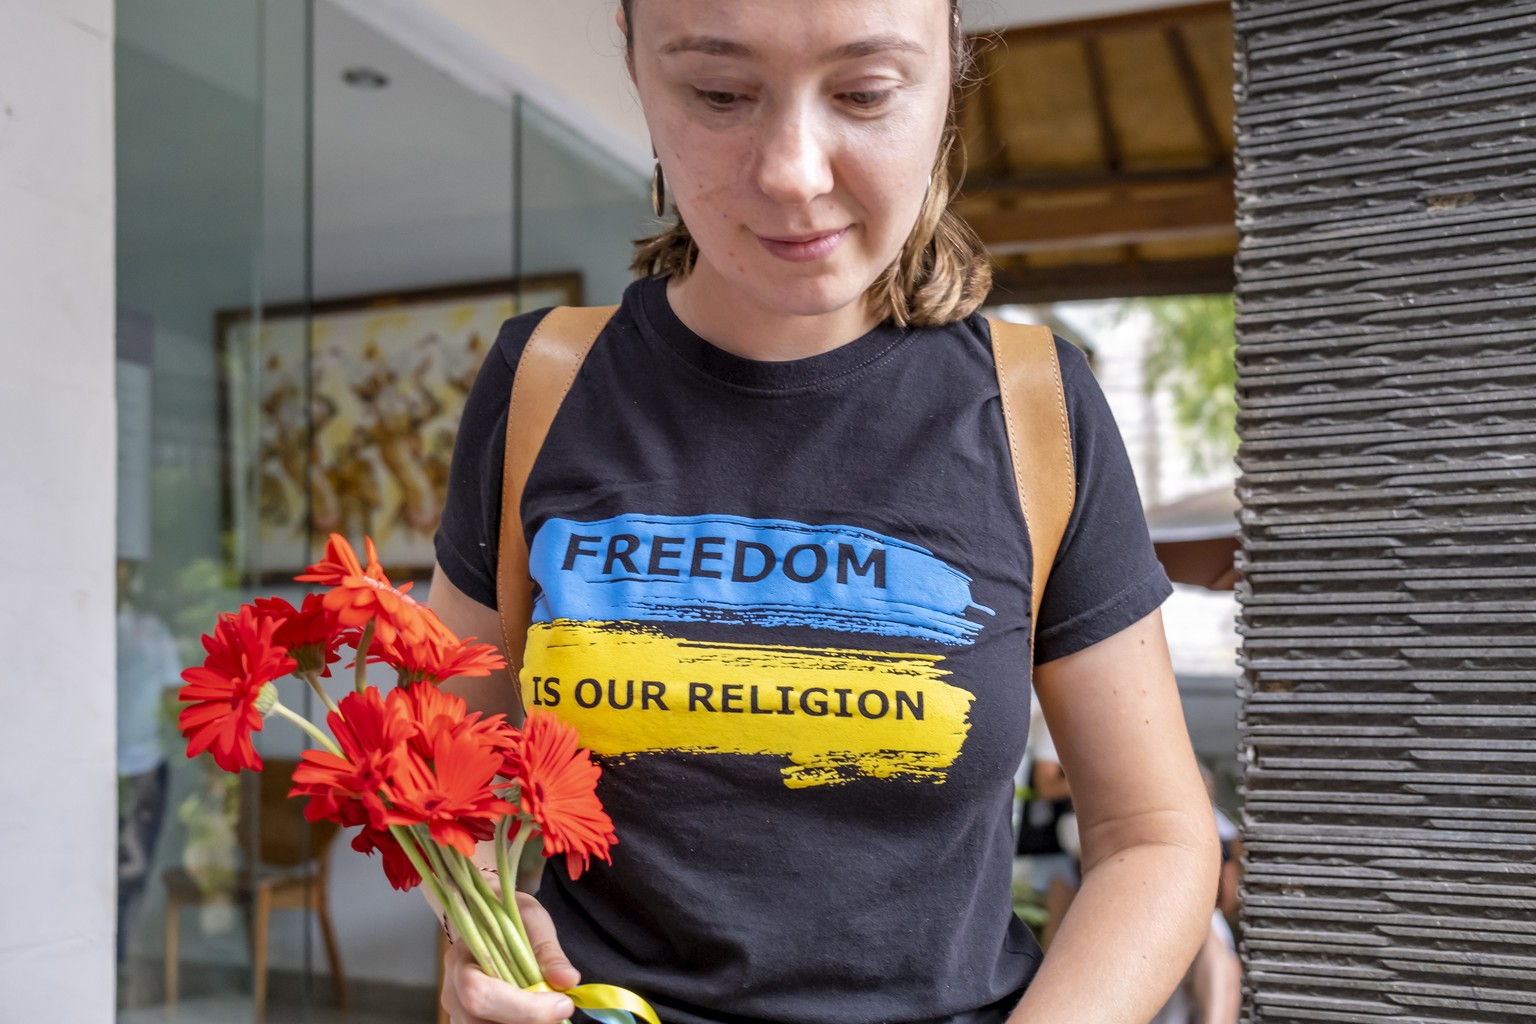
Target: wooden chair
(286, 869)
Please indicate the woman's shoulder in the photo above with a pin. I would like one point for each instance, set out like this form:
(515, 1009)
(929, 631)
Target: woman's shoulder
(515, 332)
(513, 338)
(977, 328)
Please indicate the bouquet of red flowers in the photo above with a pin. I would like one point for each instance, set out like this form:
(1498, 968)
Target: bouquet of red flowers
(423, 778)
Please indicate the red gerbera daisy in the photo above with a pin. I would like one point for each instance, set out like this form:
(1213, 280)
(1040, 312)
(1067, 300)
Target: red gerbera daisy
(311, 633)
(372, 734)
(452, 795)
(361, 593)
(402, 874)
(557, 788)
(222, 694)
(438, 657)
(512, 758)
(340, 562)
(432, 713)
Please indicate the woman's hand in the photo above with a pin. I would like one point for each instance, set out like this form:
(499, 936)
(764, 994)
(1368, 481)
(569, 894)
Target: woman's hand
(470, 995)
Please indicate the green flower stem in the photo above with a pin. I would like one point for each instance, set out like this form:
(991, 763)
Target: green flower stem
(360, 678)
(508, 892)
(524, 832)
(310, 727)
(484, 953)
(505, 871)
(511, 924)
(313, 679)
(476, 890)
(475, 906)
(428, 876)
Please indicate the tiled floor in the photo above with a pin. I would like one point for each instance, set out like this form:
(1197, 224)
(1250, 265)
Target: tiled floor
(236, 1009)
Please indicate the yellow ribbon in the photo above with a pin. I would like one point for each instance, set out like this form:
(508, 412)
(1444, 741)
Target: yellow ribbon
(604, 998)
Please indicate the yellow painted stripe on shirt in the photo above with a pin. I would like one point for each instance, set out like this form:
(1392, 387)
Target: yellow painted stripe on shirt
(833, 714)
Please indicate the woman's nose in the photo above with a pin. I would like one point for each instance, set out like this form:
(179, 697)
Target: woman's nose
(794, 160)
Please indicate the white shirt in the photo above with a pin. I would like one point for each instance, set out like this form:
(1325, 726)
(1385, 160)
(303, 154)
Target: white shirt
(147, 663)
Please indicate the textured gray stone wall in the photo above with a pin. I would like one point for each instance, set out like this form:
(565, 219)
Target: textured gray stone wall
(1387, 381)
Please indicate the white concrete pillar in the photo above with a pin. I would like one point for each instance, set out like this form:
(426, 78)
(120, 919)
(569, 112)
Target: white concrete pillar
(58, 798)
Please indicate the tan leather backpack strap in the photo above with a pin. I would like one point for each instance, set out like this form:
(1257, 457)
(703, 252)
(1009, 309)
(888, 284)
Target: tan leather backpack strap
(1039, 440)
(545, 372)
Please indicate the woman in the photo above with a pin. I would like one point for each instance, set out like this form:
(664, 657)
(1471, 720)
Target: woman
(774, 526)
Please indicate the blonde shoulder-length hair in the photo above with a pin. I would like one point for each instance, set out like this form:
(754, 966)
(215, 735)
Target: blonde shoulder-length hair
(942, 273)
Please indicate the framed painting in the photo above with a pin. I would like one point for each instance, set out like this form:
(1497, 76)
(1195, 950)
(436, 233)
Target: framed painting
(340, 417)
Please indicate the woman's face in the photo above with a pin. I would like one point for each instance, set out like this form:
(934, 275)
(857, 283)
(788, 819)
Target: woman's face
(796, 136)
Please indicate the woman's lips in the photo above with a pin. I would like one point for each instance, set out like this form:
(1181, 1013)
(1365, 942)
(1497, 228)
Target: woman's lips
(806, 249)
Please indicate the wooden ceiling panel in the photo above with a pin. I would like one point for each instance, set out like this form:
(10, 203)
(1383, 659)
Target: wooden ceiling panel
(1210, 49)
(983, 157)
(1104, 143)
(1147, 98)
(1038, 92)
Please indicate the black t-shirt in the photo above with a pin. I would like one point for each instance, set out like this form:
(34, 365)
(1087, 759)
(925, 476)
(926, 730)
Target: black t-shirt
(787, 606)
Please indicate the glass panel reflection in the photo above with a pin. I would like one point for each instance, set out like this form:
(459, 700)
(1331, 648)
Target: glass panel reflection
(188, 93)
(319, 235)
(579, 210)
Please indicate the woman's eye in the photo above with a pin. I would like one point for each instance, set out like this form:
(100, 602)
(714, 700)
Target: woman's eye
(868, 99)
(717, 99)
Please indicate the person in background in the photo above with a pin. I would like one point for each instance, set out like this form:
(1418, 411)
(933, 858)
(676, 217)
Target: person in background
(1212, 990)
(147, 665)
(1228, 900)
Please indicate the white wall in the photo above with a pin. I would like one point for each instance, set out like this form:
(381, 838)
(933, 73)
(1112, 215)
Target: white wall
(57, 512)
(564, 56)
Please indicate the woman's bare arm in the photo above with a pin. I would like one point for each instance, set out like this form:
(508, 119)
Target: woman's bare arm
(1150, 854)
(492, 694)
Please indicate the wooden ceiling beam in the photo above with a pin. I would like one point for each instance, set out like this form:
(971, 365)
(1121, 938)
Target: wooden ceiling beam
(1088, 226)
(1125, 182)
(1112, 281)
(1194, 94)
(1098, 87)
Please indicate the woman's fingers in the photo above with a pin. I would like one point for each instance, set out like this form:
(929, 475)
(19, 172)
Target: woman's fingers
(473, 997)
(557, 970)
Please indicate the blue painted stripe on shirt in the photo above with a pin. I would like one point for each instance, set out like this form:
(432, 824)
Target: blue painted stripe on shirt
(764, 572)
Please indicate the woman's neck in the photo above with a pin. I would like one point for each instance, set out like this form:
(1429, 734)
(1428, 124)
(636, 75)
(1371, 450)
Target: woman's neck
(713, 312)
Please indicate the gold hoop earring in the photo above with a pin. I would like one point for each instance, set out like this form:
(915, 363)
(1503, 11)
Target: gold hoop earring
(658, 192)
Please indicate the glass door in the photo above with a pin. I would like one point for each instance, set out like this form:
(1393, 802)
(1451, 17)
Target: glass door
(320, 233)
(213, 226)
